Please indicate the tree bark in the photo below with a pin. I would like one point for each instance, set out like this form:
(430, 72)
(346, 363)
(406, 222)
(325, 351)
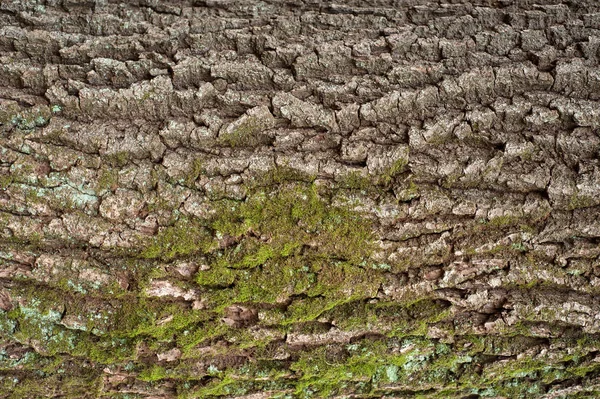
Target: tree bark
(269, 199)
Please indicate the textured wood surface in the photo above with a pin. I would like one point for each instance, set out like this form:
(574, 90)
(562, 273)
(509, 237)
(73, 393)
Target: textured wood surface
(299, 199)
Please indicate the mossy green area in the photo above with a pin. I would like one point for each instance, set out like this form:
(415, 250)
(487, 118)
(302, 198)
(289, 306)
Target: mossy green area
(296, 220)
(248, 133)
(299, 254)
(78, 336)
(427, 368)
(276, 244)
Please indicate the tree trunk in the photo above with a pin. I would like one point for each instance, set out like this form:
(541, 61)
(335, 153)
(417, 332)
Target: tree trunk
(269, 199)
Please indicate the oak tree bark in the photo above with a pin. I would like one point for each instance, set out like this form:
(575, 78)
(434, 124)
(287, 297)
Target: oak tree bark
(299, 199)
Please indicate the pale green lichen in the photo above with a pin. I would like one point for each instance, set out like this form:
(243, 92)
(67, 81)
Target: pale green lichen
(25, 119)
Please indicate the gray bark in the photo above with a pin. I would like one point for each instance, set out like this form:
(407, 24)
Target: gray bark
(299, 199)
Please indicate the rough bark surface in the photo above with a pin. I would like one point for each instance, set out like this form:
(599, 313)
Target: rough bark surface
(301, 199)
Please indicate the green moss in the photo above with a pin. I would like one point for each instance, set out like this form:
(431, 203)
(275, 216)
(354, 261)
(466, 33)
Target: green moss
(106, 325)
(426, 364)
(154, 373)
(105, 350)
(279, 175)
(190, 338)
(218, 276)
(374, 365)
(196, 169)
(408, 193)
(185, 237)
(108, 180)
(289, 241)
(71, 384)
(355, 181)
(311, 308)
(219, 387)
(256, 257)
(516, 369)
(149, 94)
(118, 159)
(291, 252)
(504, 221)
(5, 181)
(578, 201)
(154, 318)
(248, 134)
(296, 216)
(39, 327)
(397, 167)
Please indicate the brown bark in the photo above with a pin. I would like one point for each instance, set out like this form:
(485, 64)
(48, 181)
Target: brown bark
(299, 199)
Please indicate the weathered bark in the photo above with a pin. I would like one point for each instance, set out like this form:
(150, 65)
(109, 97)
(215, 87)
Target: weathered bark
(299, 199)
